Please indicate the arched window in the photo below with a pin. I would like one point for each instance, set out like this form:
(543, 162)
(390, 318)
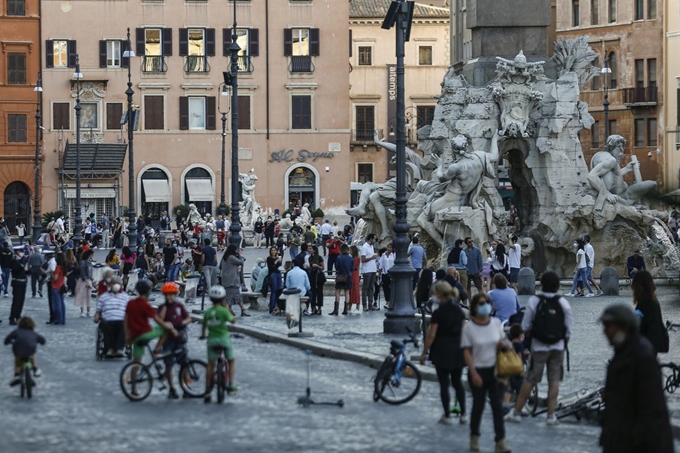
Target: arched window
(613, 65)
(17, 205)
(301, 188)
(198, 189)
(155, 193)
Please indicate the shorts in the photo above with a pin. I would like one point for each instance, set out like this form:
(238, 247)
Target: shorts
(225, 342)
(20, 361)
(127, 267)
(514, 274)
(137, 349)
(538, 361)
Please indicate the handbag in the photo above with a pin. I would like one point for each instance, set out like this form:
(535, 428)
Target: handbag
(341, 278)
(509, 363)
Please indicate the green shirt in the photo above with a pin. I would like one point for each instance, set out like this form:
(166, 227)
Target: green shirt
(309, 237)
(216, 319)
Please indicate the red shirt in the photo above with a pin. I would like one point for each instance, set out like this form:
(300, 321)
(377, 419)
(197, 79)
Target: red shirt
(86, 248)
(138, 312)
(58, 280)
(333, 247)
(102, 288)
(175, 313)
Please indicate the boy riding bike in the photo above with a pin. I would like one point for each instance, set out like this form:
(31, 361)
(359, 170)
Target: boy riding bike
(24, 344)
(215, 322)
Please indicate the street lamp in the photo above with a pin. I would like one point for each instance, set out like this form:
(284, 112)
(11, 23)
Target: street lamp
(402, 316)
(78, 225)
(37, 227)
(606, 74)
(132, 227)
(222, 210)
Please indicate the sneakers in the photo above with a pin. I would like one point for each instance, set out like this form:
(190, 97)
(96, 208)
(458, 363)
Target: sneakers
(207, 399)
(552, 420)
(569, 294)
(232, 389)
(82, 315)
(463, 419)
(502, 447)
(455, 409)
(445, 421)
(590, 295)
(474, 443)
(15, 381)
(39, 294)
(599, 293)
(513, 418)
(173, 394)
(37, 372)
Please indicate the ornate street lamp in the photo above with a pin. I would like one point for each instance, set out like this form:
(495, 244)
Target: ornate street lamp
(78, 225)
(224, 92)
(132, 227)
(37, 226)
(606, 74)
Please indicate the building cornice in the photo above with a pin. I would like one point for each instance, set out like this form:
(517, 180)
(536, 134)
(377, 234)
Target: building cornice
(379, 21)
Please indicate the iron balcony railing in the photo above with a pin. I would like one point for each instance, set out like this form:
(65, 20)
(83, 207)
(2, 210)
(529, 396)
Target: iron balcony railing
(366, 135)
(196, 63)
(640, 95)
(301, 63)
(245, 63)
(154, 64)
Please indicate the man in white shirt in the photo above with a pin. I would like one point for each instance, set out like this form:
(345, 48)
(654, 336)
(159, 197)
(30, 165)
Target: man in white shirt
(386, 263)
(368, 270)
(514, 259)
(51, 267)
(60, 225)
(326, 231)
(590, 262)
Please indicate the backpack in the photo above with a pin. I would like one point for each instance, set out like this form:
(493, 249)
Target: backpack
(548, 326)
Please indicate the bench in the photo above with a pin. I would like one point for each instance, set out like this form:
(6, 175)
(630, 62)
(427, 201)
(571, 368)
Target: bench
(251, 298)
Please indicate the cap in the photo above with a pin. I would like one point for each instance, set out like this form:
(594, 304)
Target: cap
(621, 315)
(636, 249)
(260, 260)
(18, 247)
(47, 251)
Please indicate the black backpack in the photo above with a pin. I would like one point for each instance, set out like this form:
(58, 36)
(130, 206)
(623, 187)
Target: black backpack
(548, 326)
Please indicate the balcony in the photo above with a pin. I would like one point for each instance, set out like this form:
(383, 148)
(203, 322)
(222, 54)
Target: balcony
(364, 136)
(245, 63)
(640, 96)
(301, 63)
(196, 64)
(154, 64)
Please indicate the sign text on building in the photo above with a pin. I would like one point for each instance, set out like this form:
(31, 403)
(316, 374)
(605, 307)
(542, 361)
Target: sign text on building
(288, 155)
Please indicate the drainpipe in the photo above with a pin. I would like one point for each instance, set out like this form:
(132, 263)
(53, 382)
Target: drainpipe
(266, 30)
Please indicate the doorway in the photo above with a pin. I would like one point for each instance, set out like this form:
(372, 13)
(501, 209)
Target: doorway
(301, 188)
(17, 205)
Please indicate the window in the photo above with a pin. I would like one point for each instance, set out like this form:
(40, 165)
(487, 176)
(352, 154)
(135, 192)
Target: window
(301, 111)
(425, 115)
(197, 113)
(364, 173)
(594, 12)
(613, 65)
(612, 11)
(114, 113)
(17, 132)
(113, 54)
(640, 74)
(16, 68)
(595, 135)
(595, 85)
(651, 132)
(639, 9)
(89, 115)
(365, 122)
(651, 73)
(61, 118)
(244, 112)
(365, 55)
(60, 53)
(574, 13)
(16, 7)
(425, 55)
(248, 39)
(154, 113)
(154, 45)
(196, 44)
(612, 127)
(300, 44)
(639, 132)
(651, 9)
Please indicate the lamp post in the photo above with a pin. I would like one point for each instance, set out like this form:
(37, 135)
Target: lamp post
(606, 71)
(222, 210)
(402, 315)
(78, 225)
(37, 227)
(132, 227)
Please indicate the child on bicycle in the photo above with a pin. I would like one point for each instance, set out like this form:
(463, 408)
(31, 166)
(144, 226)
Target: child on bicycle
(24, 345)
(215, 322)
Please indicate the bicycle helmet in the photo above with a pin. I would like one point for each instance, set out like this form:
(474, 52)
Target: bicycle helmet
(170, 288)
(216, 292)
(620, 315)
(143, 286)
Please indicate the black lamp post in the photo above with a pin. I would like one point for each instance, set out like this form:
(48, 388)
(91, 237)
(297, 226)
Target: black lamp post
(606, 71)
(222, 210)
(231, 78)
(403, 314)
(78, 225)
(37, 227)
(132, 227)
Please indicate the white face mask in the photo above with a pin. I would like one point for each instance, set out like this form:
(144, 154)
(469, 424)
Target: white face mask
(618, 339)
(115, 288)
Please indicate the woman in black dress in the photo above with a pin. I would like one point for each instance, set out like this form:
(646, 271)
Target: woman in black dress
(648, 309)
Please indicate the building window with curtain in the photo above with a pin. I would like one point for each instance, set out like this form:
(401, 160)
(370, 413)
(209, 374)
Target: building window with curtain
(155, 193)
(364, 173)
(198, 189)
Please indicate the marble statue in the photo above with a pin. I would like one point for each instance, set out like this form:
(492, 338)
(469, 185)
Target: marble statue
(305, 215)
(249, 207)
(194, 216)
(285, 223)
(606, 178)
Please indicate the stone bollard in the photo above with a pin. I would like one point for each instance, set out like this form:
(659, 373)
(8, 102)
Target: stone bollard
(526, 282)
(609, 281)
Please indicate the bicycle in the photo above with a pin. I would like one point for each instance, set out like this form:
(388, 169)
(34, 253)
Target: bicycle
(589, 406)
(221, 376)
(100, 349)
(670, 372)
(134, 375)
(393, 370)
(27, 383)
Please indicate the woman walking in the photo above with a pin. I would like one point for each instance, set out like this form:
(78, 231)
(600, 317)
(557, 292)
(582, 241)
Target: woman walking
(355, 292)
(482, 338)
(231, 280)
(128, 257)
(84, 283)
(648, 309)
(58, 288)
(318, 279)
(274, 274)
(424, 288)
(344, 267)
(580, 273)
(443, 342)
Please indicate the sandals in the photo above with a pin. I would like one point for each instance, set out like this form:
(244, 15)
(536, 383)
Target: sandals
(245, 313)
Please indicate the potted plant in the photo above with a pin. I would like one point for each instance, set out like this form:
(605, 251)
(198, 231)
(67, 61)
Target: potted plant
(318, 215)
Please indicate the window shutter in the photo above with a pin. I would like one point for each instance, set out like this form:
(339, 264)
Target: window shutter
(102, 54)
(153, 112)
(61, 116)
(253, 42)
(350, 43)
(314, 42)
(124, 61)
(49, 53)
(114, 111)
(183, 113)
(287, 42)
(226, 41)
(210, 42)
(183, 42)
(140, 42)
(244, 112)
(210, 116)
(72, 51)
(167, 42)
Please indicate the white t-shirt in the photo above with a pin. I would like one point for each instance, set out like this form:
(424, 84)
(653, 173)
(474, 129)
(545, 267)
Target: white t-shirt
(369, 266)
(581, 255)
(590, 252)
(326, 229)
(528, 322)
(515, 256)
(483, 339)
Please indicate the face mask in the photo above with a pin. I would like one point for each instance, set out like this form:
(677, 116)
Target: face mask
(115, 288)
(435, 299)
(262, 265)
(484, 310)
(618, 338)
(20, 255)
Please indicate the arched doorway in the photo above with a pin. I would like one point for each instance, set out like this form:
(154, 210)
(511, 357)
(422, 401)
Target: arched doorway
(199, 190)
(302, 188)
(155, 192)
(17, 205)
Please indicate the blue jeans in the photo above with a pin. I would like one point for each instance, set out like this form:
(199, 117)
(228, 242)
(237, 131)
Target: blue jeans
(275, 284)
(294, 253)
(172, 272)
(5, 278)
(58, 307)
(583, 274)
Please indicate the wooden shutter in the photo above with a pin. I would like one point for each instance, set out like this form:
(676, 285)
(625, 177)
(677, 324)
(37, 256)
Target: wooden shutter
(314, 42)
(226, 41)
(114, 111)
(210, 42)
(253, 42)
(287, 42)
(102, 54)
(17, 129)
(244, 112)
(60, 116)
(49, 53)
(183, 42)
(72, 51)
(140, 36)
(210, 113)
(167, 42)
(350, 43)
(153, 113)
(183, 108)
(124, 61)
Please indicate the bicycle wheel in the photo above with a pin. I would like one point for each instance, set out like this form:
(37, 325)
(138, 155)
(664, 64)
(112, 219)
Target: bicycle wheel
(192, 377)
(669, 377)
(99, 345)
(29, 382)
(399, 391)
(136, 381)
(220, 381)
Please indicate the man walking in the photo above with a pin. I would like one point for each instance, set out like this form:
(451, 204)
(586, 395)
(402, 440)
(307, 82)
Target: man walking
(169, 258)
(368, 270)
(548, 317)
(475, 264)
(590, 262)
(417, 255)
(514, 260)
(209, 264)
(326, 230)
(293, 244)
(106, 231)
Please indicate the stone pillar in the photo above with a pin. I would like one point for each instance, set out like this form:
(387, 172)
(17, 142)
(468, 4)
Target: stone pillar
(526, 283)
(609, 281)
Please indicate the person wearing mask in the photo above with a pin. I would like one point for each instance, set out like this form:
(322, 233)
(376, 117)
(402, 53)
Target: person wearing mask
(634, 263)
(84, 284)
(19, 284)
(475, 265)
(458, 259)
(386, 263)
(443, 344)
(333, 245)
(580, 271)
(418, 259)
(635, 417)
(258, 229)
(142, 264)
(6, 258)
(481, 340)
(343, 279)
(231, 279)
(503, 299)
(110, 312)
(209, 255)
(255, 273)
(368, 272)
(269, 232)
(647, 308)
(36, 261)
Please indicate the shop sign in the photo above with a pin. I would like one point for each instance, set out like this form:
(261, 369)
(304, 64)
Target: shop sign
(288, 155)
